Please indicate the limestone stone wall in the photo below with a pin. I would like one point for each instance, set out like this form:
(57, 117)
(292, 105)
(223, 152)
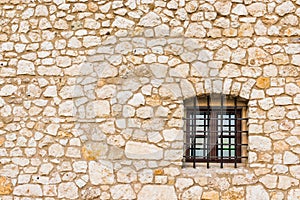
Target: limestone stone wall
(92, 97)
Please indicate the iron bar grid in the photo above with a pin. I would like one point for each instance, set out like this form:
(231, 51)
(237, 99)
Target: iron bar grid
(214, 133)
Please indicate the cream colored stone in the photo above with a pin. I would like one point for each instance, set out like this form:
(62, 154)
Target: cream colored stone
(51, 91)
(295, 171)
(223, 7)
(260, 143)
(31, 190)
(270, 181)
(159, 70)
(61, 24)
(41, 10)
(66, 108)
(286, 182)
(151, 19)
(230, 70)
(223, 54)
(285, 8)
(240, 9)
(8, 90)
(257, 9)
(194, 192)
(290, 158)
(183, 183)
(25, 67)
(107, 91)
(293, 194)
(101, 172)
(191, 6)
(67, 190)
(122, 192)
(145, 112)
(56, 150)
(195, 30)
(126, 175)
(10, 171)
(157, 192)
(258, 57)
(63, 61)
(276, 113)
(138, 150)
(256, 192)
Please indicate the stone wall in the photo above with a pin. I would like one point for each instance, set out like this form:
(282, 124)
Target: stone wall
(92, 97)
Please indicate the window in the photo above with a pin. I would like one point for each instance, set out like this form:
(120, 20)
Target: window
(215, 130)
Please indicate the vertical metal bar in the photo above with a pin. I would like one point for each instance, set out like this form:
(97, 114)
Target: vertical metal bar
(235, 134)
(222, 104)
(208, 132)
(194, 133)
(205, 135)
(229, 133)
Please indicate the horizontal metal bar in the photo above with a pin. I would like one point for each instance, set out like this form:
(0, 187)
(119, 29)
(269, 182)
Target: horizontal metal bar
(203, 157)
(215, 144)
(206, 118)
(203, 108)
(215, 131)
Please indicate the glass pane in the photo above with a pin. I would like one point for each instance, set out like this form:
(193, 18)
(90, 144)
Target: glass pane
(232, 153)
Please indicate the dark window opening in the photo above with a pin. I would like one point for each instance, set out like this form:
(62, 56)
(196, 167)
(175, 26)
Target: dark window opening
(215, 131)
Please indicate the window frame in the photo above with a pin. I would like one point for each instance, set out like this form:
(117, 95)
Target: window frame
(212, 121)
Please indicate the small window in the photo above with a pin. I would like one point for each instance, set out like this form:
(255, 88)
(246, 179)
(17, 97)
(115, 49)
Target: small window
(215, 130)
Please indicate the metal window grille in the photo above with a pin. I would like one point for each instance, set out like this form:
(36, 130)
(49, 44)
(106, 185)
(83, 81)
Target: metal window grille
(214, 133)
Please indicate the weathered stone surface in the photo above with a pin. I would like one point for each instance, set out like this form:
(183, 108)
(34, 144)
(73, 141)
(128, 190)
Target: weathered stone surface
(68, 190)
(25, 67)
(286, 182)
(257, 9)
(151, 19)
(263, 82)
(101, 172)
(258, 57)
(138, 150)
(240, 9)
(293, 194)
(157, 192)
(194, 192)
(195, 30)
(210, 195)
(246, 179)
(30, 190)
(183, 183)
(56, 150)
(104, 118)
(256, 192)
(10, 170)
(5, 186)
(290, 158)
(223, 7)
(8, 90)
(270, 181)
(122, 192)
(145, 112)
(67, 108)
(285, 8)
(260, 143)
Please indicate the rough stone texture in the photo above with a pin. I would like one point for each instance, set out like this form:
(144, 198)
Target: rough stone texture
(138, 150)
(256, 192)
(101, 173)
(67, 190)
(93, 93)
(30, 190)
(157, 192)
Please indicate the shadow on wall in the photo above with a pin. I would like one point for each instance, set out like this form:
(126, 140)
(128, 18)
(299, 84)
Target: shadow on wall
(129, 102)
